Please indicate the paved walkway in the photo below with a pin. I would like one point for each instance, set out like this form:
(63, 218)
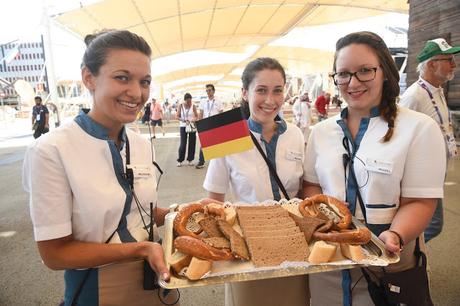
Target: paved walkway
(24, 280)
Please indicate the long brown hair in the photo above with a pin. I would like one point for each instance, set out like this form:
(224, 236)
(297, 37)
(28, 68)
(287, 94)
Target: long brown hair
(390, 91)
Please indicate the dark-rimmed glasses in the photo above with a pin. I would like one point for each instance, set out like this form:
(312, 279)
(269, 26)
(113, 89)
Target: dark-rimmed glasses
(362, 75)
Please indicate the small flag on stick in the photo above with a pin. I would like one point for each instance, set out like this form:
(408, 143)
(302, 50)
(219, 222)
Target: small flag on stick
(224, 134)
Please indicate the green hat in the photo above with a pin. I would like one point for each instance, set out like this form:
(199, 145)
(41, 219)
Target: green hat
(435, 47)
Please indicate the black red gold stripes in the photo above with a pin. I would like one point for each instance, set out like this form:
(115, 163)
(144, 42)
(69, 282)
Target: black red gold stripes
(224, 134)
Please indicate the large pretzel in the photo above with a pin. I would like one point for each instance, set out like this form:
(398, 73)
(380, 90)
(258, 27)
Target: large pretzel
(182, 217)
(199, 248)
(338, 210)
(356, 236)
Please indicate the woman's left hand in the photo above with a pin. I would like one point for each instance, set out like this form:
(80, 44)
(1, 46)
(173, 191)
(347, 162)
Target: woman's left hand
(391, 240)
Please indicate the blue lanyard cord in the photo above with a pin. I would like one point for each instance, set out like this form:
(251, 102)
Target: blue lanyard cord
(435, 106)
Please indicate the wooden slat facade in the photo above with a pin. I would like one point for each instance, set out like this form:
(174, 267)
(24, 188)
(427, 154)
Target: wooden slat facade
(429, 19)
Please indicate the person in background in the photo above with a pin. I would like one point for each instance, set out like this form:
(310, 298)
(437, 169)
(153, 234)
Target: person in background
(302, 114)
(436, 67)
(248, 176)
(40, 118)
(167, 110)
(208, 107)
(91, 215)
(322, 106)
(187, 115)
(156, 116)
(146, 113)
(392, 158)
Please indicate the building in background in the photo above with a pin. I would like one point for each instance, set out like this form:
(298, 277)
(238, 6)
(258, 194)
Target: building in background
(21, 60)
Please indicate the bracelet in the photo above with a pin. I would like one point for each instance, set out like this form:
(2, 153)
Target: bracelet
(401, 241)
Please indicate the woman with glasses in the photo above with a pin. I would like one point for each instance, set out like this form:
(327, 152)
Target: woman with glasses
(386, 162)
(91, 183)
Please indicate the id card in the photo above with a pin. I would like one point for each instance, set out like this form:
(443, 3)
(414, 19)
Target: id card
(293, 155)
(37, 117)
(451, 145)
(141, 171)
(380, 166)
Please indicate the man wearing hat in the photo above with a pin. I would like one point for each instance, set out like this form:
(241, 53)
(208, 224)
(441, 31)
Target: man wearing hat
(436, 67)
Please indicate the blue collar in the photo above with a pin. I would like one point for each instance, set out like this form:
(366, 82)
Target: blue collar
(374, 112)
(95, 129)
(256, 127)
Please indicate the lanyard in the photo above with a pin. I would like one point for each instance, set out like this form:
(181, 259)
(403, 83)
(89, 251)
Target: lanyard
(210, 108)
(185, 113)
(435, 106)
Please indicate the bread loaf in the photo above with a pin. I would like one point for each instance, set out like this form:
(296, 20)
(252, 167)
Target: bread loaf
(179, 261)
(353, 252)
(322, 252)
(198, 268)
(230, 215)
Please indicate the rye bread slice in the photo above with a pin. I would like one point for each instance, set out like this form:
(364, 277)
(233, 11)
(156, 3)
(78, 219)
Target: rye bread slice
(271, 251)
(209, 226)
(275, 233)
(218, 242)
(267, 227)
(281, 222)
(307, 225)
(237, 242)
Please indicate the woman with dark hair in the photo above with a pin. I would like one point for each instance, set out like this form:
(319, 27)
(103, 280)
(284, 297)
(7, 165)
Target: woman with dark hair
(248, 176)
(375, 157)
(187, 115)
(92, 181)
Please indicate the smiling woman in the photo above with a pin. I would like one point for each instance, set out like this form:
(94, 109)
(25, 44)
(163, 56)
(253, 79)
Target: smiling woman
(88, 209)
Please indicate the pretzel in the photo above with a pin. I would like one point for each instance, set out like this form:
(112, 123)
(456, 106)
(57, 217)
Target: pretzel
(311, 207)
(356, 236)
(198, 248)
(183, 216)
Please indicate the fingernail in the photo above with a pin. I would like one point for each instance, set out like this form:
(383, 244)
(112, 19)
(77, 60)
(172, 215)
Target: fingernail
(165, 276)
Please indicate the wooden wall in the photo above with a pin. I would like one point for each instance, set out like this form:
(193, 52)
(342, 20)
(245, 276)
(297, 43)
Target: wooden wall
(430, 19)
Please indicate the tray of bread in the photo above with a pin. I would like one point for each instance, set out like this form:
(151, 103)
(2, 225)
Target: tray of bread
(206, 244)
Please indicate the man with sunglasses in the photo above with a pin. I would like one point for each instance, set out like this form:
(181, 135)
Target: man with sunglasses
(436, 67)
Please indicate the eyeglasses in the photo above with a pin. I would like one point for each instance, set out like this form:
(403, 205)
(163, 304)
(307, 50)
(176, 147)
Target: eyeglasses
(362, 75)
(450, 59)
(208, 90)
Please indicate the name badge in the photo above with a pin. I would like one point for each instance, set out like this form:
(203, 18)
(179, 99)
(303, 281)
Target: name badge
(379, 166)
(141, 171)
(37, 117)
(451, 145)
(293, 155)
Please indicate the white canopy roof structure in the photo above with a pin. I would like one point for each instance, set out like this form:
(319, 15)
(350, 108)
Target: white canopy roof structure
(209, 41)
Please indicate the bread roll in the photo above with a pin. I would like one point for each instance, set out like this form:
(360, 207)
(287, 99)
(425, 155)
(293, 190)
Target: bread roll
(230, 215)
(321, 252)
(353, 252)
(179, 261)
(198, 268)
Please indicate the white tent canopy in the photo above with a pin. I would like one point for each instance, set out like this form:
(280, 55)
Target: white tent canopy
(207, 41)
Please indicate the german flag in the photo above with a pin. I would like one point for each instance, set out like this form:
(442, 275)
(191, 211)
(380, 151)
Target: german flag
(224, 134)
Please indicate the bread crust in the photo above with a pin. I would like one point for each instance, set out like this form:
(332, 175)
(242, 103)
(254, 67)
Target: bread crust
(357, 236)
(198, 248)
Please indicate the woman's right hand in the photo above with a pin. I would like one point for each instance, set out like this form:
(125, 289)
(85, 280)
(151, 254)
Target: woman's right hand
(154, 255)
